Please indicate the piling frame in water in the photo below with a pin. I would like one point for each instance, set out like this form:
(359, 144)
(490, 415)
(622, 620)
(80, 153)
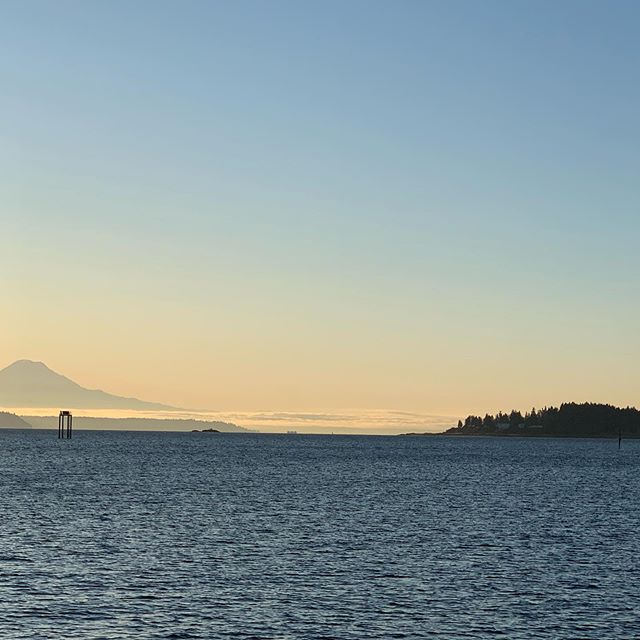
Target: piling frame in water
(65, 425)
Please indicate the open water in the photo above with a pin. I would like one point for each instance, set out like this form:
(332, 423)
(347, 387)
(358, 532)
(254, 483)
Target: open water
(166, 535)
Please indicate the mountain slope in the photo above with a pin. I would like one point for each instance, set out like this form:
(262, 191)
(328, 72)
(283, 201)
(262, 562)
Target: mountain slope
(32, 384)
(12, 421)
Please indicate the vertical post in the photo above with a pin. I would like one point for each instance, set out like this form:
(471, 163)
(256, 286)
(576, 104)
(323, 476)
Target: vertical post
(619, 436)
(60, 425)
(69, 427)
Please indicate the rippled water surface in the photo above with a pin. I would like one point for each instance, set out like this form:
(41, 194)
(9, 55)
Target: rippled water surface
(152, 535)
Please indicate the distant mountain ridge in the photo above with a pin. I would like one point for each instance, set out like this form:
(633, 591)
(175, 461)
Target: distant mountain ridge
(26, 383)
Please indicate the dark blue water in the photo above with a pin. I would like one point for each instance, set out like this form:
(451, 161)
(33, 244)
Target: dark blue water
(151, 535)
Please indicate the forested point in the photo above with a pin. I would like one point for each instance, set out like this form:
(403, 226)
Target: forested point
(570, 419)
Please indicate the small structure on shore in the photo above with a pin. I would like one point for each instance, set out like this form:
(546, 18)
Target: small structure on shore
(65, 425)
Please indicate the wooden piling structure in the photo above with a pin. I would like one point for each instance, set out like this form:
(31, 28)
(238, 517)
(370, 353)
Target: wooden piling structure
(65, 425)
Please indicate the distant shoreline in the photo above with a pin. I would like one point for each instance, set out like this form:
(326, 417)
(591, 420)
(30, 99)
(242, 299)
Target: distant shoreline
(90, 423)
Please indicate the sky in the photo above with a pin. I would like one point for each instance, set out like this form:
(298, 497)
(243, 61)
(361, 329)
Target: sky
(324, 208)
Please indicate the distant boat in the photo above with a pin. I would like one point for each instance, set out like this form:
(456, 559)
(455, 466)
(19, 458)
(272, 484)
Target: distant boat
(292, 433)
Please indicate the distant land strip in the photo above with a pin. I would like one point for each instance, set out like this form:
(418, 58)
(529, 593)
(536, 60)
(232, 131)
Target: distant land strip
(136, 424)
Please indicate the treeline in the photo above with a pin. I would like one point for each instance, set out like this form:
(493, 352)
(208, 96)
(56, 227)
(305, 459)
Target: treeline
(570, 419)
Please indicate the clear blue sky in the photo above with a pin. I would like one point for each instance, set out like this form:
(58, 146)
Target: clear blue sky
(422, 205)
